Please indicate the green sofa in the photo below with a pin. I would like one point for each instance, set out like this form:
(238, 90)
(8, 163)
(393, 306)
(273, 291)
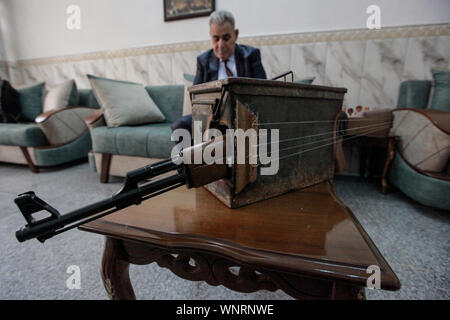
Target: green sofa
(54, 138)
(421, 166)
(115, 151)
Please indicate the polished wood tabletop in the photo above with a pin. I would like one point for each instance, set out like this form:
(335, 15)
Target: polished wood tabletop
(308, 231)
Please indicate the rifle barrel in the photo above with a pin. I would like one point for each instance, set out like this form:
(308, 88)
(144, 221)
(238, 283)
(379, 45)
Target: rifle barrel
(48, 229)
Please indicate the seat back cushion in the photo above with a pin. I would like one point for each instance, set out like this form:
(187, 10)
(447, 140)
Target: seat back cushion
(87, 99)
(414, 94)
(441, 91)
(169, 99)
(31, 101)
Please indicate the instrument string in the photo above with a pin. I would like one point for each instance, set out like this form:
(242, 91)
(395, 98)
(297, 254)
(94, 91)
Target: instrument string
(317, 121)
(373, 130)
(326, 133)
(325, 140)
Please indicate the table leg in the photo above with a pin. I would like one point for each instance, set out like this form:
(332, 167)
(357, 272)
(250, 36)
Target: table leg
(346, 292)
(115, 271)
(389, 158)
(364, 154)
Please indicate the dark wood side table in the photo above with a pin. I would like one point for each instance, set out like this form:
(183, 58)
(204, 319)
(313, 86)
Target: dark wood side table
(306, 243)
(366, 144)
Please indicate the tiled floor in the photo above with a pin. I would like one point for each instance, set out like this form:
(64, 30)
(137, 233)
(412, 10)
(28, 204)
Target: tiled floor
(415, 240)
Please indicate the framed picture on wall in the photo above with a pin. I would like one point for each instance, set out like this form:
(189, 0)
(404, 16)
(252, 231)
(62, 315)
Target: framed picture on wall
(185, 9)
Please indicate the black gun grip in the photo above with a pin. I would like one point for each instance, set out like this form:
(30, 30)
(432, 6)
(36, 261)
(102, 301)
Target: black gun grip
(29, 203)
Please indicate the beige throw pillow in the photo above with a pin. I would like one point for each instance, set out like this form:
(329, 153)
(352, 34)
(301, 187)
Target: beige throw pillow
(125, 103)
(63, 95)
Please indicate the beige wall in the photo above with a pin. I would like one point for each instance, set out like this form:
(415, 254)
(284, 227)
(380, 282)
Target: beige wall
(37, 28)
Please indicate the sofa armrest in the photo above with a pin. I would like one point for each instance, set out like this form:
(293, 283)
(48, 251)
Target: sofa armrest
(96, 119)
(63, 125)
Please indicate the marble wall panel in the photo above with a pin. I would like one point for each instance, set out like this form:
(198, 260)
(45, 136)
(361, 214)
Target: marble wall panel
(183, 62)
(160, 69)
(137, 69)
(15, 75)
(116, 69)
(371, 69)
(425, 54)
(80, 70)
(344, 67)
(308, 60)
(383, 69)
(96, 67)
(54, 74)
(276, 59)
(31, 74)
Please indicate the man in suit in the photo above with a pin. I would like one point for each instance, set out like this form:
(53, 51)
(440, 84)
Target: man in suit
(225, 59)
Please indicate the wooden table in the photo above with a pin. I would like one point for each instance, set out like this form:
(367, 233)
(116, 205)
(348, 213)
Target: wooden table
(306, 243)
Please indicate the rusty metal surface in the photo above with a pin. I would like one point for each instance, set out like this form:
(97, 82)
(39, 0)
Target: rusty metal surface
(265, 102)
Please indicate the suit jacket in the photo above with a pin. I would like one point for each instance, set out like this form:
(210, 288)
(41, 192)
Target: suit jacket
(248, 64)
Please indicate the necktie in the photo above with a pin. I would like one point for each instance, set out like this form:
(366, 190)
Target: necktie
(229, 73)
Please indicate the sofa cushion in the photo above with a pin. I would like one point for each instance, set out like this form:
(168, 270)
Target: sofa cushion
(306, 80)
(125, 103)
(169, 100)
(22, 134)
(31, 100)
(414, 94)
(151, 141)
(63, 95)
(441, 91)
(87, 98)
(77, 149)
(422, 188)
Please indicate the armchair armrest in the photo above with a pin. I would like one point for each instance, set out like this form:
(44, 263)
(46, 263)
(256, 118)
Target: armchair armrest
(438, 118)
(63, 125)
(424, 138)
(96, 119)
